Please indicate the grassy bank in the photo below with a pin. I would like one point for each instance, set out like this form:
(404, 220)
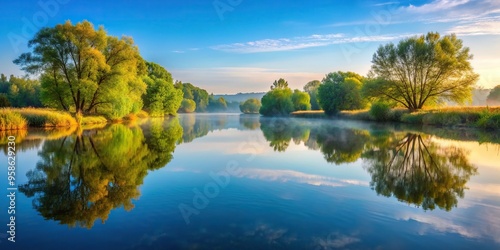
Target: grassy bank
(12, 120)
(91, 120)
(45, 117)
(22, 118)
(478, 117)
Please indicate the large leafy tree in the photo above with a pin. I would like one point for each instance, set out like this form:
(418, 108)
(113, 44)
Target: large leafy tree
(250, 106)
(161, 96)
(187, 106)
(85, 70)
(312, 89)
(340, 91)
(279, 84)
(422, 70)
(494, 96)
(301, 100)
(278, 101)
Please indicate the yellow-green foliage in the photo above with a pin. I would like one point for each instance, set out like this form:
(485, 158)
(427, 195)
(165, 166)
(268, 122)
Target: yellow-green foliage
(142, 114)
(79, 118)
(10, 120)
(130, 117)
(309, 114)
(380, 111)
(361, 114)
(88, 120)
(45, 117)
(489, 120)
(19, 135)
(482, 117)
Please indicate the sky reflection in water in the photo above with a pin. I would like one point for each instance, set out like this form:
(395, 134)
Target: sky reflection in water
(296, 184)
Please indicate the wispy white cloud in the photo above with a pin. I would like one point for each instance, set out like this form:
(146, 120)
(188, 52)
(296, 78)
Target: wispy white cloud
(281, 44)
(384, 4)
(295, 43)
(484, 223)
(479, 26)
(178, 51)
(465, 17)
(438, 224)
(335, 240)
(435, 6)
(298, 177)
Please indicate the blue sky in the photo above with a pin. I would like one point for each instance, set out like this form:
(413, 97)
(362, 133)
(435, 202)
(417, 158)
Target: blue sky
(230, 46)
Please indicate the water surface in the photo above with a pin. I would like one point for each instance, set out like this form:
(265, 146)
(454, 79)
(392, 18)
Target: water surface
(227, 181)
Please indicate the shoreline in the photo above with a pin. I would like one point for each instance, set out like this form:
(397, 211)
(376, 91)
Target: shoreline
(486, 118)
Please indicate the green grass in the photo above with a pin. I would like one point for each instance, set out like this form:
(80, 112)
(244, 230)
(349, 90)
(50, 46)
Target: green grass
(46, 117)
(89, 120)
(489, 120)
(362, 115)
(22, 118)
(10, 120)
(481, 117)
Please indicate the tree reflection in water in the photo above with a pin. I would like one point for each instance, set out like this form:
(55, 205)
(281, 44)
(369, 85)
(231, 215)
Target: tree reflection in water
(338, 145)
(419, 171)
(341, 145)
(280, 131)
(412, 167)
(82, 177)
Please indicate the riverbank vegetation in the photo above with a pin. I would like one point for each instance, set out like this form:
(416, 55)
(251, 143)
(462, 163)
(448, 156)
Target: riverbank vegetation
(12, 120)
(19, 118)
(281, 100)
(250, 106)
(86, 76)
(475, 117)
(408, 83)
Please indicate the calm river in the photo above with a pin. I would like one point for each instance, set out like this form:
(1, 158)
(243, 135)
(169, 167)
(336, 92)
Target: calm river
(230, 181)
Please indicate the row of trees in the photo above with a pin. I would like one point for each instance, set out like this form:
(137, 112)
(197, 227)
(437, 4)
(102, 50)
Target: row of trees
(337, 91)
(86, 71)
(19, 92)
(419, 71)
(281, 100)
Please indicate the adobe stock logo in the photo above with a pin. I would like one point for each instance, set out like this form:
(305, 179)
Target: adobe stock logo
(222, 6)
(48, 9)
